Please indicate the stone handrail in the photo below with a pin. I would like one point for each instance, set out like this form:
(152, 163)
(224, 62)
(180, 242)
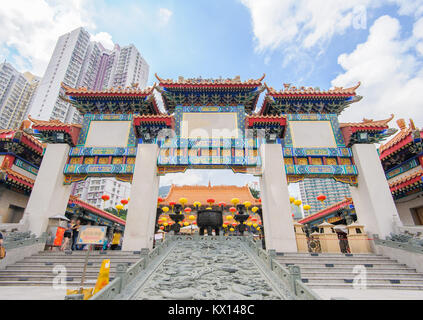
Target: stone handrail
(399, 245)
(13, 244)
(125, 275)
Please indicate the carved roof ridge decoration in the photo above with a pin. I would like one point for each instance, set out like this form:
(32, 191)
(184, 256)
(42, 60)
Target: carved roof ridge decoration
(96, 210)
(209, 82)
(367, 123)
(396, 142)
(292, 90)
(132, 90)
(327, 210)
(53, 123)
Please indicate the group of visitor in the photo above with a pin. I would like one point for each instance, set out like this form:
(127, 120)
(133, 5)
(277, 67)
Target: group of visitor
(112, 242)
(71, 235)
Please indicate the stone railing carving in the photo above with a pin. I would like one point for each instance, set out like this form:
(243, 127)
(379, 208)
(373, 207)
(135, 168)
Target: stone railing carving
(21, 239)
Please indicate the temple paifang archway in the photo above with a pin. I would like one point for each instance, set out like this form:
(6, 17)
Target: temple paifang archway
(211, 124)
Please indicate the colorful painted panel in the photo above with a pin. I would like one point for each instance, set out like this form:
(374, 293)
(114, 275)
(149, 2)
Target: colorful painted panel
(308, 170)
(26, 166)
(99, 169)
(317, 152)
(403, 168)
(92, 151)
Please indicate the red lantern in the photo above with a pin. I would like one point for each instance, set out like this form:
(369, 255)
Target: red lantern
(210, 201)
(124, 202)
(160, 199)
(222, 204)
(321, 198)
(259, 200)
(195, 222)
(234, 224)
(187, 210)
(254, 219)
(172, 203)
(232, 209)
(161, 227)
(105, 197)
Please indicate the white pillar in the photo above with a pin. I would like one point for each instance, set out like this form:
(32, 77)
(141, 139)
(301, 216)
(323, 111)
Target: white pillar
(277, 217)
(139, 229)
(49, 196)
(372, 198)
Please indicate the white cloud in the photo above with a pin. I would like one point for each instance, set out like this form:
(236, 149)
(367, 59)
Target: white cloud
(32, 27)
(295, 25)
(164, 16)
(187, 178)
(390, 72)
(104, 38)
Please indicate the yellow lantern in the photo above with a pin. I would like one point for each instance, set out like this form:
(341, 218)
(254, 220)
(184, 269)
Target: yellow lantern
(297, 202)
(209, 208)
(186, 224)
(235, 201)
(191, 217)
(291, 199)
(183, 201)
(165, 224)
(306, 207)
(255, 225)
(129, 198)
(254, 209)
(119, 207)
(197, 204)
(228, 217)
(224, 225)
(249, 224)
(247, 204)
(258, 229)
(165, 209)
(231, 229)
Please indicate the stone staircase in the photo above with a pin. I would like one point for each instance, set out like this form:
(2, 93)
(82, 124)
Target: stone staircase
(39, 269)
(336, 271)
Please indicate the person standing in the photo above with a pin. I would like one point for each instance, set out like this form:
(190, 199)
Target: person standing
(2, 249)
(115, 241)
(67, 237)
(75, 233)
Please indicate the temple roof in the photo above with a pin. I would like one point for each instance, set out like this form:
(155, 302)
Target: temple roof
(22, 137)
(114, 100)
(400, 140)
(210, 92)
(44, 130)
(349, 129)
(292, 100)
(95, 210)
(16, 179)
(202, 193)
(327, 211)
(211, 83)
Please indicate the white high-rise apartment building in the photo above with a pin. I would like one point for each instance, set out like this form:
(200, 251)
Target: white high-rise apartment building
(334, 191)
(79, 62)
(16, 92)
(93, 188)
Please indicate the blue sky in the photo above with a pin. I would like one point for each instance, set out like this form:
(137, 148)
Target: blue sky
(319, 43)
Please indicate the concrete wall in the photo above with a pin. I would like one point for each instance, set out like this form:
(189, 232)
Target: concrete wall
(404, 207)
(411, 259)
(9, 197)
(17, 254)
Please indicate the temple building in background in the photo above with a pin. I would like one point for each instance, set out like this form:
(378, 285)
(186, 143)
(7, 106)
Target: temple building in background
(16, 93)
(79, 62)
(402, 161)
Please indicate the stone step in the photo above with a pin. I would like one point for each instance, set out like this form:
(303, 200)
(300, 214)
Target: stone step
(70, 285)
(333, 260)
(390, 265)
(49, 270)
(308, 268)
(78, 273)
(370, 275)
(76, 260)
(369, 286)
(37, 278)
(349, 280)
(83, 253)
(309, 254)
(67, 264)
